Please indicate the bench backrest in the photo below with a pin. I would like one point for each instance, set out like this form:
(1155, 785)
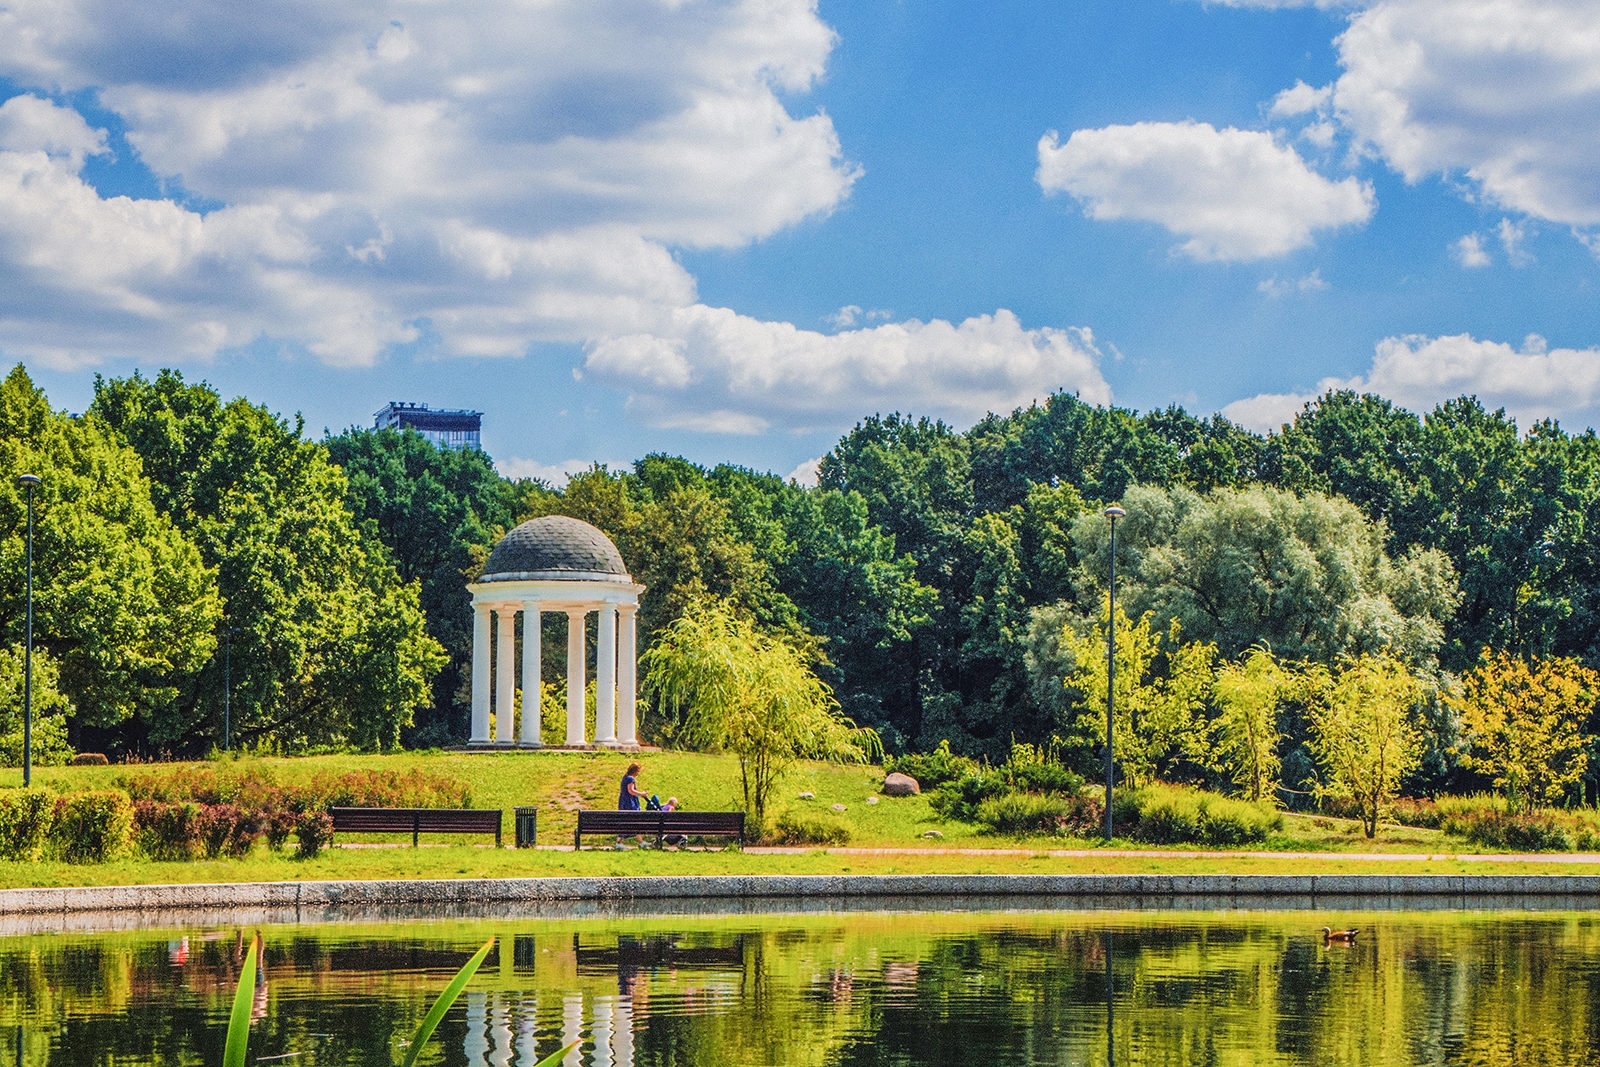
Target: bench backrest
(426, 820)
(660, 823)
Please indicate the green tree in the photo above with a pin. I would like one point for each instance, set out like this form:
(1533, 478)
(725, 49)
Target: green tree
(1248, 696)
(1363, 735)
(1162, 683)
(51, 709)
(123, 603)
(313, 601)
(733, 688)
(1525, 723)
(438, 511)
(1306, 574)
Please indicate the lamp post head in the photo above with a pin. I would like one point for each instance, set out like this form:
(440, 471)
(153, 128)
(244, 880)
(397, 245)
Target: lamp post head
(28, 481)
(1114, 512)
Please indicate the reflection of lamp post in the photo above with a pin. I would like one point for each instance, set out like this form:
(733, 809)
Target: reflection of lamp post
(30, 482)
(1113, 513)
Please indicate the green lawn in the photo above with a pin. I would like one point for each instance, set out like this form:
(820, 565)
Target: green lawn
(560, 783)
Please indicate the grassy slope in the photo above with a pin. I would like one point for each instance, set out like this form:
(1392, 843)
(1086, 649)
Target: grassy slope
(560, 783)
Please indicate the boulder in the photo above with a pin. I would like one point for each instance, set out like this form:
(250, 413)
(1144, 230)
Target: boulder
(900, 785)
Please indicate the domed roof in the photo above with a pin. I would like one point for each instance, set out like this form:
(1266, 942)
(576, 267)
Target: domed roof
(557, 548)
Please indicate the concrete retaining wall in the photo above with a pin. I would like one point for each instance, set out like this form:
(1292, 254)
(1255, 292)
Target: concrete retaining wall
(1091, 890)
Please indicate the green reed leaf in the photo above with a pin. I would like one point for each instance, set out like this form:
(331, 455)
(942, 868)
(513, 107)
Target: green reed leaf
(556, 1056)
(442, 1005)
(243, 998)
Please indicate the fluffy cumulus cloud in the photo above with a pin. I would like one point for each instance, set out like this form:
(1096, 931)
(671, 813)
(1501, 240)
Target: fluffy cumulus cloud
(492, 174)
(1231, 194)
(712, 370)
(1532, 381)
(1505, 93)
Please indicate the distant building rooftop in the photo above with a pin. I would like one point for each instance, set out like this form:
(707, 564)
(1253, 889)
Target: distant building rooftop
(446, 428)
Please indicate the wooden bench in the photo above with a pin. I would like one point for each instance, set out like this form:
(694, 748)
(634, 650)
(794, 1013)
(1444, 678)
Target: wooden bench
(659, 824)
(417, 821)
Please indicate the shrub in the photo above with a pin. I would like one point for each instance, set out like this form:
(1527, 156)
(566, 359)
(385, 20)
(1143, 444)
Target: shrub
(1171, 815)
(168, 831)
(1537, 831)
(26, 816)
(227, 830)
(960, 799)
(93, 827)
(932, 769)
(1417, 811)
(255, 789)
(314, 830)
(1023, 813)
(89, 759)
(798, 826)
(277, 826)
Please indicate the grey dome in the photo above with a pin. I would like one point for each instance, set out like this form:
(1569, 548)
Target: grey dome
(557, 548)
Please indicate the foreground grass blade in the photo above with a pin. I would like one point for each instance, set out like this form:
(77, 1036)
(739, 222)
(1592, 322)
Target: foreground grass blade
(440, 1006)
(243, 999)
(557, 1056)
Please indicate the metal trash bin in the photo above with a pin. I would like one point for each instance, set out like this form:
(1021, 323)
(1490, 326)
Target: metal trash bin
(527, 827)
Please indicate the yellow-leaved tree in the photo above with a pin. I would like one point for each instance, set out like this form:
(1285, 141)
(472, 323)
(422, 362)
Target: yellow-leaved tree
(1161, 686)
(1362, 733)
(1525, 723)
(1245, 734)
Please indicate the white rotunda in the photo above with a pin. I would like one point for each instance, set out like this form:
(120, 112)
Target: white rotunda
(554, 564)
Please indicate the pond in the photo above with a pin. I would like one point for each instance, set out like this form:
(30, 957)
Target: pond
(870, 988)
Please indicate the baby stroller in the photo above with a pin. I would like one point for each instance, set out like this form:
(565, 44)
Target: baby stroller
(653, 803)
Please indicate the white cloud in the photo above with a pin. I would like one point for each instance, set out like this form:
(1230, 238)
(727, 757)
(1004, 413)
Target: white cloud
(808, 473)
(33, 124)
(852, 315)
(713, 370)
(1268, 411)
(1505, 93)
(1277, 288)
(554, 474)
(1301, 99)
(1512, 235)
(1469, 251)
(1234, 194)
(1531, 382)
(497, 173)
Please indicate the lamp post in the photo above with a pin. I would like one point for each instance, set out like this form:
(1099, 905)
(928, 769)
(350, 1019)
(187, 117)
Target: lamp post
(1113, 513)
(30, 482)
(227, 681)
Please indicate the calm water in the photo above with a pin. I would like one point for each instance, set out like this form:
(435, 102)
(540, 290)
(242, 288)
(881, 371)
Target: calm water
(866, 989)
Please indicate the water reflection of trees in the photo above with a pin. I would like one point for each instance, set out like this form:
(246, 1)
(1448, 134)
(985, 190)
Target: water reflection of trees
(856, 991)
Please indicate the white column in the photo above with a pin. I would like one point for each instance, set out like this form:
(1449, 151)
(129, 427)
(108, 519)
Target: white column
(505, 659)
(605, 680)
(575, 653)
(601, 1031)
(480, 673)
(475, 1046)
(622, 1033)
(532, 690)
(627, 676)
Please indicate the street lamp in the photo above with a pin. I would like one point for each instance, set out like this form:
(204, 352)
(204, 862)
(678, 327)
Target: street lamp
(1113, 513)
(30, 482)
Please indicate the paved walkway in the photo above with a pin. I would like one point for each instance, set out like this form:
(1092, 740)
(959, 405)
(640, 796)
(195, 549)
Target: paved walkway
(1090, 853)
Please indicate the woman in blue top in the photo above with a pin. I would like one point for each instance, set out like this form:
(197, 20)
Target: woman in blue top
(628, 796)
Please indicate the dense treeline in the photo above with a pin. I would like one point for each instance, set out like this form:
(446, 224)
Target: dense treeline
(931, 574)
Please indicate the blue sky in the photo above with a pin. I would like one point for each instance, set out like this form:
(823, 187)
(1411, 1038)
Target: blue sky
(732, 228)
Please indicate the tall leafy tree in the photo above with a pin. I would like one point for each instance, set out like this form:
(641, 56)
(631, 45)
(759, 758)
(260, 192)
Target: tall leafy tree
(1306, 574)
(1162, 683)
(124, 605)
(438, 511)
(267, 509)
(1525, 723)
(735, 689)
(1249, 696)
(1363, 734)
